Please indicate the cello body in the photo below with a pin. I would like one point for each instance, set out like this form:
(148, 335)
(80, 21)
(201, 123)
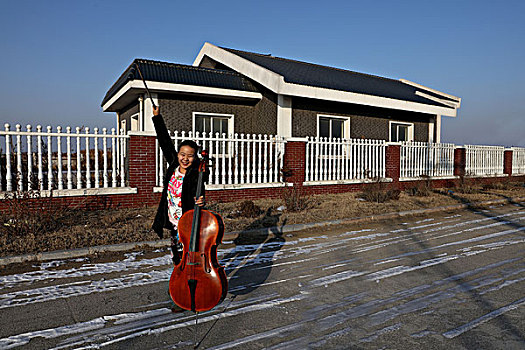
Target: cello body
(199, 270)
(198, 283)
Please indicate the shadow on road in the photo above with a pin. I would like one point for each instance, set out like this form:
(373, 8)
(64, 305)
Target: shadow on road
(249, 263)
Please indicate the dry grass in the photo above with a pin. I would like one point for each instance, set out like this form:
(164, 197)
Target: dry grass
(380, 192)
(81, 229)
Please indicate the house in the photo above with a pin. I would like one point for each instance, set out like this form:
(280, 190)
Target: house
(232, 91)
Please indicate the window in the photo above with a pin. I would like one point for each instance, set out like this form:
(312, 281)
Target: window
(215, 123)
(401, 132)
(333, 127)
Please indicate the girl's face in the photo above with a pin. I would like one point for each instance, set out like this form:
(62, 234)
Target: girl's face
(186, 157)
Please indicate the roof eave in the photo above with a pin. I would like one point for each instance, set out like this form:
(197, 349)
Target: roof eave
(261, 75)
(366, 100)
(133, 88)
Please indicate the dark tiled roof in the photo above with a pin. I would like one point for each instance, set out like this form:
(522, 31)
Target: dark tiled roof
(180, 74)
(304, 73)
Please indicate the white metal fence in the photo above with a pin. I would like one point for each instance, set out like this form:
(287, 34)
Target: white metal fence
(65, 159)
(484, 160)
(46, 160)
(235, 159)
(344, 159)
(426, 159)
(518, 161)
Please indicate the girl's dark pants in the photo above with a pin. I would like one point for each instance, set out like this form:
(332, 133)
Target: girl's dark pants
(176, 247)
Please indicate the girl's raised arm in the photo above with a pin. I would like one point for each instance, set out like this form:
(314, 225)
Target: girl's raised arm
(165, 142)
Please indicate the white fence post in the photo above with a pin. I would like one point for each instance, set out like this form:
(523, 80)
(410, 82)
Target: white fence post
(29, 159)
(8, 175)
(19, 157)
(88, 160)
(79, 161)
(59, 159)
(113, 160)
(39, 156)
(49, 147)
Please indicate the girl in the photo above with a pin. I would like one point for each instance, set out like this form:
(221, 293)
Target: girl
(179, 185)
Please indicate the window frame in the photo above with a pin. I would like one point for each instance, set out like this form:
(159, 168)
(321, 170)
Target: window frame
(346, 124)
(410, 130)
(230, 118)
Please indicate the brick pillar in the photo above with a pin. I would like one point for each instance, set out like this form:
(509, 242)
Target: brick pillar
(393, 162)
(141, 170)
(295, 160)
(460, 161)
(507, 162)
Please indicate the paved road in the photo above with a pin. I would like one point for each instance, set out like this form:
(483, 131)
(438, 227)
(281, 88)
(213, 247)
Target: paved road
(452, 280)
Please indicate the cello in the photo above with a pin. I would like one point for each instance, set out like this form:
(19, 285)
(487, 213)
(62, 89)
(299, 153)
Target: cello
(198, 283)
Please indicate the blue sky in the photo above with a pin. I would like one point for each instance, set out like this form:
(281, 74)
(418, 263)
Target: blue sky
(60, 57)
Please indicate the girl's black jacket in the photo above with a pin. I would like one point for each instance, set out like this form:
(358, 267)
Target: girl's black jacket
(189, 184)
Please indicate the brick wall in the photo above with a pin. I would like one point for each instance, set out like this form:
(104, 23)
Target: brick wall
(507, 162)
(294, 162)
(460, 161)
(393, 158)
(141, 172)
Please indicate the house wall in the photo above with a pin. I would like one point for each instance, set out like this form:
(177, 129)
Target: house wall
(250, 117)
(365, 122)
(260, 117)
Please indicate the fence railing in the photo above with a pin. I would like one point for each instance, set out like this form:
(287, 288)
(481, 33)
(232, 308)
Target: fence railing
(426, 159)
(518, 161)
(236, 159)
(65, 159)
(46, 160)
(484, 160)
(344, 159)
